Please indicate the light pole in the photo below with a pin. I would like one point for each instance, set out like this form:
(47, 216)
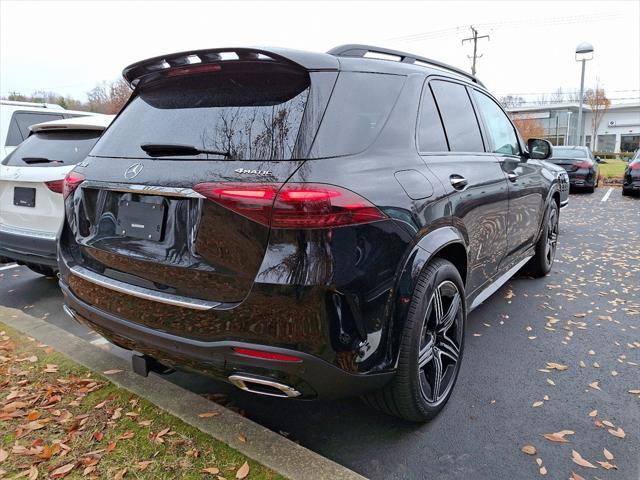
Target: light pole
(584, 52)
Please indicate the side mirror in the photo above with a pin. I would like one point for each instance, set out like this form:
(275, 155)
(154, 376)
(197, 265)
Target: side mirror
(598, 159)
(539, 149)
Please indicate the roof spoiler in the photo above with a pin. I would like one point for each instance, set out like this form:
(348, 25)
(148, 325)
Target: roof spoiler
(307, 60)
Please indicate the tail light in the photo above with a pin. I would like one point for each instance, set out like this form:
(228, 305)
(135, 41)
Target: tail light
(71, 182)
(583, 164)
(295, 206)
(634, 166)
(55, 186)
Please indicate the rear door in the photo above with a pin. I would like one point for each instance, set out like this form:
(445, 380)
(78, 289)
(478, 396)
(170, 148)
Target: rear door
(473, 178)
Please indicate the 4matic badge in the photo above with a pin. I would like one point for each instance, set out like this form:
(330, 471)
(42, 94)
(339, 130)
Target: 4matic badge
(246, 171)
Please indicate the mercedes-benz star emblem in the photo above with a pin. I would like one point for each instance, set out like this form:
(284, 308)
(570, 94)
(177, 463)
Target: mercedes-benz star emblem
(133, 171)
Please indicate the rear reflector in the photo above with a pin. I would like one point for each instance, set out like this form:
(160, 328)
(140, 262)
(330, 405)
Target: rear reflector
(55, 186)
(293, 206)
(71, 182)
(266, 355)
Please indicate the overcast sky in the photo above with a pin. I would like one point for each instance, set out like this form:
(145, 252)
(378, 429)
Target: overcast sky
(69, 46)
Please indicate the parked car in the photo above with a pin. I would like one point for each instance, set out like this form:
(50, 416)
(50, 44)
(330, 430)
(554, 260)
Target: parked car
(563, 182)
(17, 117)
(304, 225)
(580, 164)
(631, 182)
(31, 188)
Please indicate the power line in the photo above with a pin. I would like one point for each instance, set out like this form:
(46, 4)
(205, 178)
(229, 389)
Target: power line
(474, 39)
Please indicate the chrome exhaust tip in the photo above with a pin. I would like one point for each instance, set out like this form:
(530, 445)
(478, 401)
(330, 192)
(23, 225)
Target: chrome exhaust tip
(263, 386)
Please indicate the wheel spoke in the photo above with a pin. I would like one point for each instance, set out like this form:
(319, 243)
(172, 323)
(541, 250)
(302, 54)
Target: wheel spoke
(437, 376)
(437, 305)
(450, 316)
(425, 355)
(449, 348)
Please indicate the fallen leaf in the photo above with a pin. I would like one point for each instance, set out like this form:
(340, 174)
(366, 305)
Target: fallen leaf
(243, 471)
(33, 415)
(558, 436)
(208, 414)
(98, 436)
(528, 449)
(607, 454)
(543, 470)
(111, 372)
(578, 460)
(63, 470)
(595, 385)
(3, 455)
(607, 465)
(539, 403)
(33, 472)
(120, 475)
(211, 470)
(575, 476)
(550, 382)
(242, 438)
(557, 366)
(126, 436)
(142, 466)
(593, 413)
(618, 432)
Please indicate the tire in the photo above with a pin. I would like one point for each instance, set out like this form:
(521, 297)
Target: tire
(42, 270)
(545, 249)
(591, 189)
(431, 346)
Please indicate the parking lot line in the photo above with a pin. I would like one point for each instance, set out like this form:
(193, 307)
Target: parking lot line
(7, 267)
(606, 195)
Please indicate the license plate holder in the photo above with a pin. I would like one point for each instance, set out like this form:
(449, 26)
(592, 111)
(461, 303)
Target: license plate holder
(140, 220)
(24, 197)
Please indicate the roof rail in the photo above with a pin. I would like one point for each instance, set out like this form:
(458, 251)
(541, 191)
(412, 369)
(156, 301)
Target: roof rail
(356, 50)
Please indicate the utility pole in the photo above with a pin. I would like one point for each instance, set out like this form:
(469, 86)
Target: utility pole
(475, 39)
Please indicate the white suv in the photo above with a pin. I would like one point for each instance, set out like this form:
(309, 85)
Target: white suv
(17, 117)
(31, 193)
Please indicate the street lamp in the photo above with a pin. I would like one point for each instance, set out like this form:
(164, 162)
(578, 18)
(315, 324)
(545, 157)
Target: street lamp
(584, 52)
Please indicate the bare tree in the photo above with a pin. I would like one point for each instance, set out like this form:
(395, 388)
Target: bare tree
(597, 100)
(512, 101)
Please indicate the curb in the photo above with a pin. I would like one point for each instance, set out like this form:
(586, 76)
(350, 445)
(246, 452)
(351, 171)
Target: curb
(264, 446)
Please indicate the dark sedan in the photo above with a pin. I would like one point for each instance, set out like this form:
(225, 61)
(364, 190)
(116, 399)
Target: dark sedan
(580, 164)
(631, 182)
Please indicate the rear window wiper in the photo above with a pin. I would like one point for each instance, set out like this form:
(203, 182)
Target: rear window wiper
(173, 150)
(30, 160)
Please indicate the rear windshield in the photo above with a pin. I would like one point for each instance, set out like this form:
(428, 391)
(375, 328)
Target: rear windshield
(249, 113)
(53, 149)
(568, 153)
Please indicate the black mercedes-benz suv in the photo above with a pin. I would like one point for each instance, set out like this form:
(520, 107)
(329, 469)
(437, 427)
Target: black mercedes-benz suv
(304, 224)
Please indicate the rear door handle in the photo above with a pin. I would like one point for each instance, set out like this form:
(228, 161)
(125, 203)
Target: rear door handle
(458, 181)
(512, 176)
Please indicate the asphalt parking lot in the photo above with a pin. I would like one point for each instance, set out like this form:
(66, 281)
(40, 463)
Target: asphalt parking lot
(584, 316)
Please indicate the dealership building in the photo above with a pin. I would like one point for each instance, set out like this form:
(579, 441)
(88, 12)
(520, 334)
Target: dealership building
(619, 129)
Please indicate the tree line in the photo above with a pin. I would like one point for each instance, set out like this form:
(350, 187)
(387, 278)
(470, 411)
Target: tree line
(106, 97)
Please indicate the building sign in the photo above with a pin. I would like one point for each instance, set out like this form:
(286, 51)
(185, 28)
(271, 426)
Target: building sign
(530, 115)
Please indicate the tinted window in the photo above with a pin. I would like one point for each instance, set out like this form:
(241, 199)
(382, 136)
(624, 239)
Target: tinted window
(53, 149)
(559, 152)
(357, 111)
(503, 135)
(25, 119)
(250, 112)
(431, 136)
(460, 123)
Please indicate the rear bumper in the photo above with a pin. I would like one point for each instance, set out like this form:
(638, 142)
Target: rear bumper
(312, 376)
(38, 250)
(582, 178)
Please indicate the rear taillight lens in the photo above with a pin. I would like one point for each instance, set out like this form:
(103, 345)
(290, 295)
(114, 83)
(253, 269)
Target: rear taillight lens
(634, 166)
(295, 206)
(71, 182)
(55, 186)
(583, 164)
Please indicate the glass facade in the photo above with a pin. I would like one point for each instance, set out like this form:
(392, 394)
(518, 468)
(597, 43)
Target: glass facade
(629, 143)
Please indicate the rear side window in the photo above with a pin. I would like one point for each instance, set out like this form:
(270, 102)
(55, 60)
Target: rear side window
(20, 123)
(53, 149)
(431, 136)
(358, 109)
(460, 122)
(251, 112)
